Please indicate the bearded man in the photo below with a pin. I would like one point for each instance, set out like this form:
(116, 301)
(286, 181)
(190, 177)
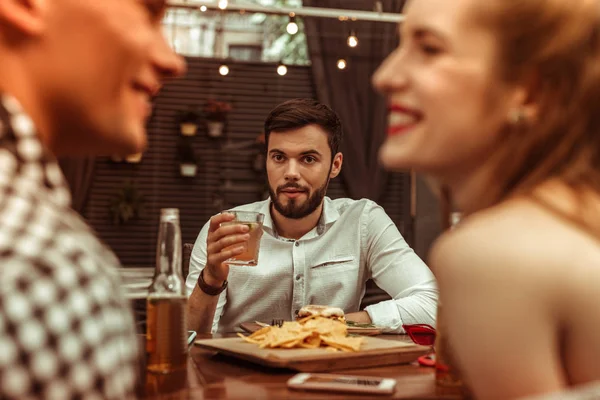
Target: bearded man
(313, 250)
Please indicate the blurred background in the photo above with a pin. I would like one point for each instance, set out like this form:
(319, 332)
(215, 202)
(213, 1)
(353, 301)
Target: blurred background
(205, 150)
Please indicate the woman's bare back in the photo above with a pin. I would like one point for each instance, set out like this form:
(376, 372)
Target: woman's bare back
(535, 275)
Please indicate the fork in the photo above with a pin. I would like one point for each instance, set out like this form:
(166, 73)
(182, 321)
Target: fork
(277, 322)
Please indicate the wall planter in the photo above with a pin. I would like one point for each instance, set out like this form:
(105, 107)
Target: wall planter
(216, 115)
(131, 159)
(189, 121)
(188, 128)
(188, 164)
(134, 158)
(215, 129)
(188, 169)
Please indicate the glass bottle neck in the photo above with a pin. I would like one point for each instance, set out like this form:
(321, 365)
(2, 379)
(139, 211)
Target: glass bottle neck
(168, 250)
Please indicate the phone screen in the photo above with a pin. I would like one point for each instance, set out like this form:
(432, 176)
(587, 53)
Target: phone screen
(191, 337)
(345, 380)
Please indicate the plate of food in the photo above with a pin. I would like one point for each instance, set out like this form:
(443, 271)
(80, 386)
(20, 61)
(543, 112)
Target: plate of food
(313, 343)
(334, 313)
(337, 314)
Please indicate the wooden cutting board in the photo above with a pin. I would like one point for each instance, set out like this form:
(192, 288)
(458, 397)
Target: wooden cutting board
(374, 352)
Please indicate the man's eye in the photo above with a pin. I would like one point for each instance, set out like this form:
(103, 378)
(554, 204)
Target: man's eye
(309, 159)
(430, 50)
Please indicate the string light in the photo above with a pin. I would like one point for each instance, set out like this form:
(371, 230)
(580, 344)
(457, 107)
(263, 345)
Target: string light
(341, 64)
(203, 8)
(352, 39)
(224, 69)
(281, 69)
(222, 4)
(292, 26)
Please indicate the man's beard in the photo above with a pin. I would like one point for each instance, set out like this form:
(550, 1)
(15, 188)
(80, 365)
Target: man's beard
(297, 211)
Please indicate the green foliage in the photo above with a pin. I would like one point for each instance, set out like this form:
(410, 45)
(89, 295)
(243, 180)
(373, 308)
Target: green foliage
(289, 49)
(190, 116)
(127, 204)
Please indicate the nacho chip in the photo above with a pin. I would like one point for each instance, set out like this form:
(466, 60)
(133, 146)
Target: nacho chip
(309, 333)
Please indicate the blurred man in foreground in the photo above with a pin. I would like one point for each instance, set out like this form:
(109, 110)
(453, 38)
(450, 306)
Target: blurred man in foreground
(76, 79)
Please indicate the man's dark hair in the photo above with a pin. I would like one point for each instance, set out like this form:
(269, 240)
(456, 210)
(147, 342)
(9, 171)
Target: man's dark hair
(298, 113)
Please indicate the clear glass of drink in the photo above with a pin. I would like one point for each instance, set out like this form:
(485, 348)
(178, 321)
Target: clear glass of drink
(254, 221)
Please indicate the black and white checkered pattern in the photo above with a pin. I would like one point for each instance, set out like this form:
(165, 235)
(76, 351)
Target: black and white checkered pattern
(66, 331)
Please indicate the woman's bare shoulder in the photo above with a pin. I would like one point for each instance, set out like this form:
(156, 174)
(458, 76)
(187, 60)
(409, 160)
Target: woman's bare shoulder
(513, 235)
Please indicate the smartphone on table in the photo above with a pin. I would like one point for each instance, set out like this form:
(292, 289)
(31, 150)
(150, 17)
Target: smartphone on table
(191, 337)
(342, 383)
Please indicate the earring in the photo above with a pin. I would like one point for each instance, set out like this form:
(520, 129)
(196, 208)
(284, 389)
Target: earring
(517, 116)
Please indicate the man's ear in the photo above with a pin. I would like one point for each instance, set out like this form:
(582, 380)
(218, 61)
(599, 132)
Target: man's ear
(336, 166)
(25, 16)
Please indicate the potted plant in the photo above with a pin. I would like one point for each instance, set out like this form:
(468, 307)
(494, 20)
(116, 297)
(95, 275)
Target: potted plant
(188, 121)
(134, 158)
(127, 204)
(188, 165)
(216, 115)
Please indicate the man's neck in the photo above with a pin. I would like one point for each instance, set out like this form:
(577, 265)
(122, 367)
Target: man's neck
(295, 228)
(14, 83)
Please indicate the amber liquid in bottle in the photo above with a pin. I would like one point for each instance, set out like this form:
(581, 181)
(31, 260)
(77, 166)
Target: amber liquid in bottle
(166, 333)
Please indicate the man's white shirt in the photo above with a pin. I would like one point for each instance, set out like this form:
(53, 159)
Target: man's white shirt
(355, 240)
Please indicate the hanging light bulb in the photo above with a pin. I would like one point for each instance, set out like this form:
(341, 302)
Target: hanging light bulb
(203, 8)
(222, 4)
(281, 69)
(292, 26)
(352, 39)
(341, 64)
(224, 69)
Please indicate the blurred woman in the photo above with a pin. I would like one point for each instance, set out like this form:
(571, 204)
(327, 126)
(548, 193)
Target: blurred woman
(499, 101)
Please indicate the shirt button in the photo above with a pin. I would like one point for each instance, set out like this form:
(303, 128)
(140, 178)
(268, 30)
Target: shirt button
(298, 277)
(297, 244)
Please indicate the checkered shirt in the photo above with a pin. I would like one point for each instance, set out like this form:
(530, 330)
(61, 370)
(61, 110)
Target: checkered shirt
(66, 331)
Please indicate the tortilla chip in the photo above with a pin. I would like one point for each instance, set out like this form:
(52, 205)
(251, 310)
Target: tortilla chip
(309, 333)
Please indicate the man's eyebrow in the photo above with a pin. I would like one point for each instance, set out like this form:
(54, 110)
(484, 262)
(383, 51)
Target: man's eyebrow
(311, 152)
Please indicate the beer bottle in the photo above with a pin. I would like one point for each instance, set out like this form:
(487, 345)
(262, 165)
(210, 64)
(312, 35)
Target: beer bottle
(166, 332)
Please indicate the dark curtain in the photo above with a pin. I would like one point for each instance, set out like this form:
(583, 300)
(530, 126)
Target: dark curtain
(349, 92)
(79, 173)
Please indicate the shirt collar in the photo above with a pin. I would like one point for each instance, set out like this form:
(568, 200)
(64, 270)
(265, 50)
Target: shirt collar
(329, 215)
(25, 158)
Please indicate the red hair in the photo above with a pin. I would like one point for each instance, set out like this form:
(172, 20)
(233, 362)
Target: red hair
(558, 43)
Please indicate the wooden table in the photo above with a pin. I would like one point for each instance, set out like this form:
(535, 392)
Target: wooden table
(214, 376)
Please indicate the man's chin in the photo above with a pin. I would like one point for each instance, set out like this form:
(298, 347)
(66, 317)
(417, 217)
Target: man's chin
(131, 142)
(294, 204)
